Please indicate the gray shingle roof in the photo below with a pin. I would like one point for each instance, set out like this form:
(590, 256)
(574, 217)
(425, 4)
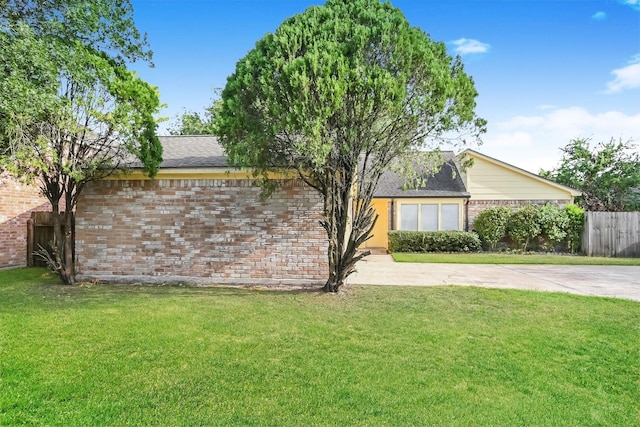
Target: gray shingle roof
(204, 151)
(447, 182)
(197, 151)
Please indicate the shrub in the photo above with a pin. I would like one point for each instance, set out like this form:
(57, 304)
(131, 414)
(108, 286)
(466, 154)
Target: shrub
(491, 225)
(523, 226)
(575, 226)
(434, 241)
(553, 222)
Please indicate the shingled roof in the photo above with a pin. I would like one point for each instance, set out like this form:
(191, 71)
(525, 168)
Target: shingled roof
(447, 182)
(204, 151)
(192, 151)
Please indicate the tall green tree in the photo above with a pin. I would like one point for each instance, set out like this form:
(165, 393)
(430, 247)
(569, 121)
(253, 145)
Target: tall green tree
(608, 174)
(70, 110)
(337, 94)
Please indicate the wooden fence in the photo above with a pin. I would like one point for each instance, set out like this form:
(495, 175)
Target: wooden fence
(40, 233)
(611, 234)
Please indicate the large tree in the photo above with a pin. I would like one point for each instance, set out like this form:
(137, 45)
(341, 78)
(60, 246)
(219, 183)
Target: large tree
(337, 94)
(608, 174)
(70, 110)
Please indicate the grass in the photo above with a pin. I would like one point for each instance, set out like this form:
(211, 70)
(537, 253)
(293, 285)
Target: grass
(506, 258)
(126, 355)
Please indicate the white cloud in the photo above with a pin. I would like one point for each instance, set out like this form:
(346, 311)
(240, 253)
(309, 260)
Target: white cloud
(511, 140)
(467, 46)
(599, 16)
(626, 77)
(633, 3)
(534, 142)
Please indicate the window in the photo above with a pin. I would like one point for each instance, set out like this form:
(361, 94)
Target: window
(449, 216)
(429, 216)
(408, 217)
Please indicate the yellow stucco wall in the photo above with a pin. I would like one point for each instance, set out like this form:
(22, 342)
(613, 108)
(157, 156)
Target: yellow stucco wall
(379, 239)
(489, 180)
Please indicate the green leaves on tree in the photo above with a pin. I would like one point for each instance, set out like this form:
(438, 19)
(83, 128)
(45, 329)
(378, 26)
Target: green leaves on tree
(338, 93)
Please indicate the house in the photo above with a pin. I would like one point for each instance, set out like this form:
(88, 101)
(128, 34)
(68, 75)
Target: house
(17, 202)
(452, 199)
(201, 220)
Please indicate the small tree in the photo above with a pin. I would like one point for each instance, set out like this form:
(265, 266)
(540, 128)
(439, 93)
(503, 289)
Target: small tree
(70, 111)
(553, 222)
(491, 225)
(523, 226)
(336, 94)
(575, 226)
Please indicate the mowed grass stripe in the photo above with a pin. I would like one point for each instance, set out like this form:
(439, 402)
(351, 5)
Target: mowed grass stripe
(510, 258)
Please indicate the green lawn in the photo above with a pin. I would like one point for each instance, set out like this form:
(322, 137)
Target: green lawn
(507, 258)
(126, 355)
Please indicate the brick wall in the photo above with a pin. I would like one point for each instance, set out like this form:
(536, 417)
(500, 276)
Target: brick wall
(17, 201)
(477, 206)
(207, 228)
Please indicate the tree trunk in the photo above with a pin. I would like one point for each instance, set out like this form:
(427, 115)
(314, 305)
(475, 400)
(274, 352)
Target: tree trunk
(348, 225)
(68, 266)
(62, 261)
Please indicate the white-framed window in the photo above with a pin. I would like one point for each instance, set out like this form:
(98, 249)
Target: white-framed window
(427, 216)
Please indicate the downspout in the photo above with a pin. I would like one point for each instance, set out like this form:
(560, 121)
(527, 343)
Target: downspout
(392, 220)
(466, 215)
(393, 215)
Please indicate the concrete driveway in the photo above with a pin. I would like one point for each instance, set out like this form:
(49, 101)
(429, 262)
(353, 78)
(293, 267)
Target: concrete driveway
(608, 281)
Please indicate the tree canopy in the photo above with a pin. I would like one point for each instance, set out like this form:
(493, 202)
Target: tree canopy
(338, 93)
(70, 110)
(608, 174)
(194, 123)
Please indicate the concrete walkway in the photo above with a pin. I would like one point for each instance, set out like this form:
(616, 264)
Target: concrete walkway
(609, 281)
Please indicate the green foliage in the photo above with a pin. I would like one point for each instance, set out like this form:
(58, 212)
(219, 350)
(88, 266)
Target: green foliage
(192, 123)
(553, 222)
(338, 93)
(511, 258)
(575, 226)
(523, 226)
(491, 225)
(102, 25)
(70, 110)
(608, 174)
(433, 241)
(548, 223)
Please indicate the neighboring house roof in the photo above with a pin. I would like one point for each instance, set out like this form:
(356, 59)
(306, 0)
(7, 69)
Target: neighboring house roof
(447, 182)
(193, 151)
(473, 153)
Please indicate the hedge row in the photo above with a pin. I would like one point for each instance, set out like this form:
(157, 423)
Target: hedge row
(434, 241)
(546, 225)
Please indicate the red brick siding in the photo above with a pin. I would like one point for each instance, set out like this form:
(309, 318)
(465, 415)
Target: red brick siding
(213, 228)
(477, 206)
(17, 201)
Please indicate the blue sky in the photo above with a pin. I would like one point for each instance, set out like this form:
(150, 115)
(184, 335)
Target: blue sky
(546, 71)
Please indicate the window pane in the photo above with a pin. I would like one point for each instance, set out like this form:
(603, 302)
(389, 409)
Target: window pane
(428, 217)
(450, 217)
(409, 217)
